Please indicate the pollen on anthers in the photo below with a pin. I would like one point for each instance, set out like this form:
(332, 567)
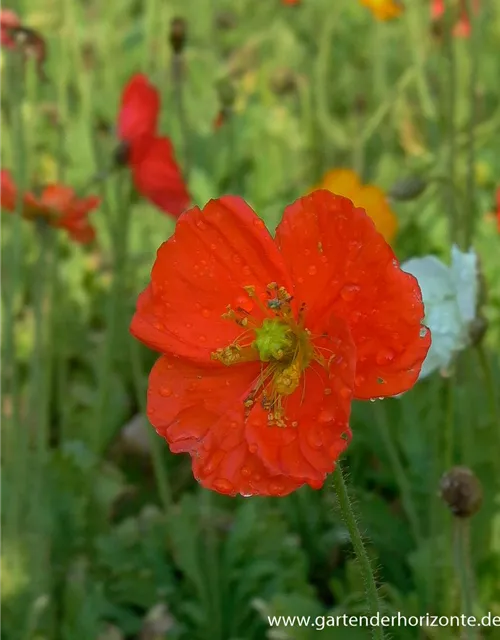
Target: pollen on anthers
(274, 337)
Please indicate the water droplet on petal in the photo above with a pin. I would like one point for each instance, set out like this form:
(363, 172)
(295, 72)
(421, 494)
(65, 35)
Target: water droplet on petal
(327, 391)
(313, 435)
(300, 280)
(165, 392)
(349, 291)
(423, 331)
(202, 338)
(223, 486)
(325, 416)
(276, 488)
(384, 356)
(345, 393)
(313, 270)
(246, 270)
(205, 313)
(246, 472)
(253, 448)
(358, 380)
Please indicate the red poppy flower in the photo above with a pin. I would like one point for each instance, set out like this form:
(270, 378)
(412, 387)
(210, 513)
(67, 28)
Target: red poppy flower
(266, 341)
(291, 3)
(57, 205)
(462, 26)
(8, 20)
(155, 172)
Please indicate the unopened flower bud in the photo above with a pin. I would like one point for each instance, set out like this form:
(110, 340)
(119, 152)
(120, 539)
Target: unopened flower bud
(178, 30)
(227, 94)
(477, 330)
(121, 154)
(462, 491)
(283, 81)
(408, 188)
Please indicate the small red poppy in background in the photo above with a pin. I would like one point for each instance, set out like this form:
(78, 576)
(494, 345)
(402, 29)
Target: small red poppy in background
(266, 341)
(16, 36)
(497, 213)
(462, 28)
(57, 205)
(151, 159)
(8, 21)
(291, 3)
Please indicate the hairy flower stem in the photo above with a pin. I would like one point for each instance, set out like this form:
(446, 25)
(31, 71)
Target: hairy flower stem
(373, 601)
(461, 549)
(178, 83)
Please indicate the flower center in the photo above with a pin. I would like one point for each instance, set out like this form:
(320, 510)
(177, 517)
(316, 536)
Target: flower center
(279, 342)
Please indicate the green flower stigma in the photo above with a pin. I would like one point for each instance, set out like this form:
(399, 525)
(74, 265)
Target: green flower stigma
(274, 341)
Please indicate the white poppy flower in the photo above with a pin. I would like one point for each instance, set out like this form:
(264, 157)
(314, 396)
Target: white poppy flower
(450, 298)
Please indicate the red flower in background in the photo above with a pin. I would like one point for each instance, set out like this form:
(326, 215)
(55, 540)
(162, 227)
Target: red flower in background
(16, 36)
(291, 3)
(8, 21)
(266, 341)
(462, 27)
(151, 159)
(57, 205)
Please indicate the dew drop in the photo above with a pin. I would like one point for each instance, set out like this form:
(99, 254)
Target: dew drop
(246, 270)
(300, 280)
(345, 393)
(223, 486)
(170, 365)
(253, 448)
(257, 477)
(313, 436)
(327, 391)
(213, 246)
(236, 258)
(205, 313)
(423, 332)
(246, 472)
(325, 416)
(358, 380)
(295, 424)
(276, 488)
(202, 338)
(165, 392)
(349, 291)
(213, 462)
(258, 223)
(313, 270)
(158, 325)
(384, 356)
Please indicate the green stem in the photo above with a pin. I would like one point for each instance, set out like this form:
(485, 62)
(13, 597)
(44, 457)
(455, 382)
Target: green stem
(323, 76)
(470, 202)
(461, 548)
(372, 598)
(178, 84)
(449, 107)
(490, 385)
(399, 472)
(17, 440)
(161, 475)
(417, 47)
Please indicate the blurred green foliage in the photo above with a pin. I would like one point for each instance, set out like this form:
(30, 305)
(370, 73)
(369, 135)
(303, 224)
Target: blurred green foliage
(105, 534)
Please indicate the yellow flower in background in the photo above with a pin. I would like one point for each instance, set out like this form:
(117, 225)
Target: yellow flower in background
(384, 9)
(345, 182)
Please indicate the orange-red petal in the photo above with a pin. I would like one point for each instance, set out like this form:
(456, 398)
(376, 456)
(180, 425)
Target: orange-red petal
(8, 191)
(317, 413)
(201, 412)
(139, 109)
(157, 176)
(202, 268)
(340, 265)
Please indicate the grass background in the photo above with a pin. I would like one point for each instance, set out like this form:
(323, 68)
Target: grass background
(105, 533)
